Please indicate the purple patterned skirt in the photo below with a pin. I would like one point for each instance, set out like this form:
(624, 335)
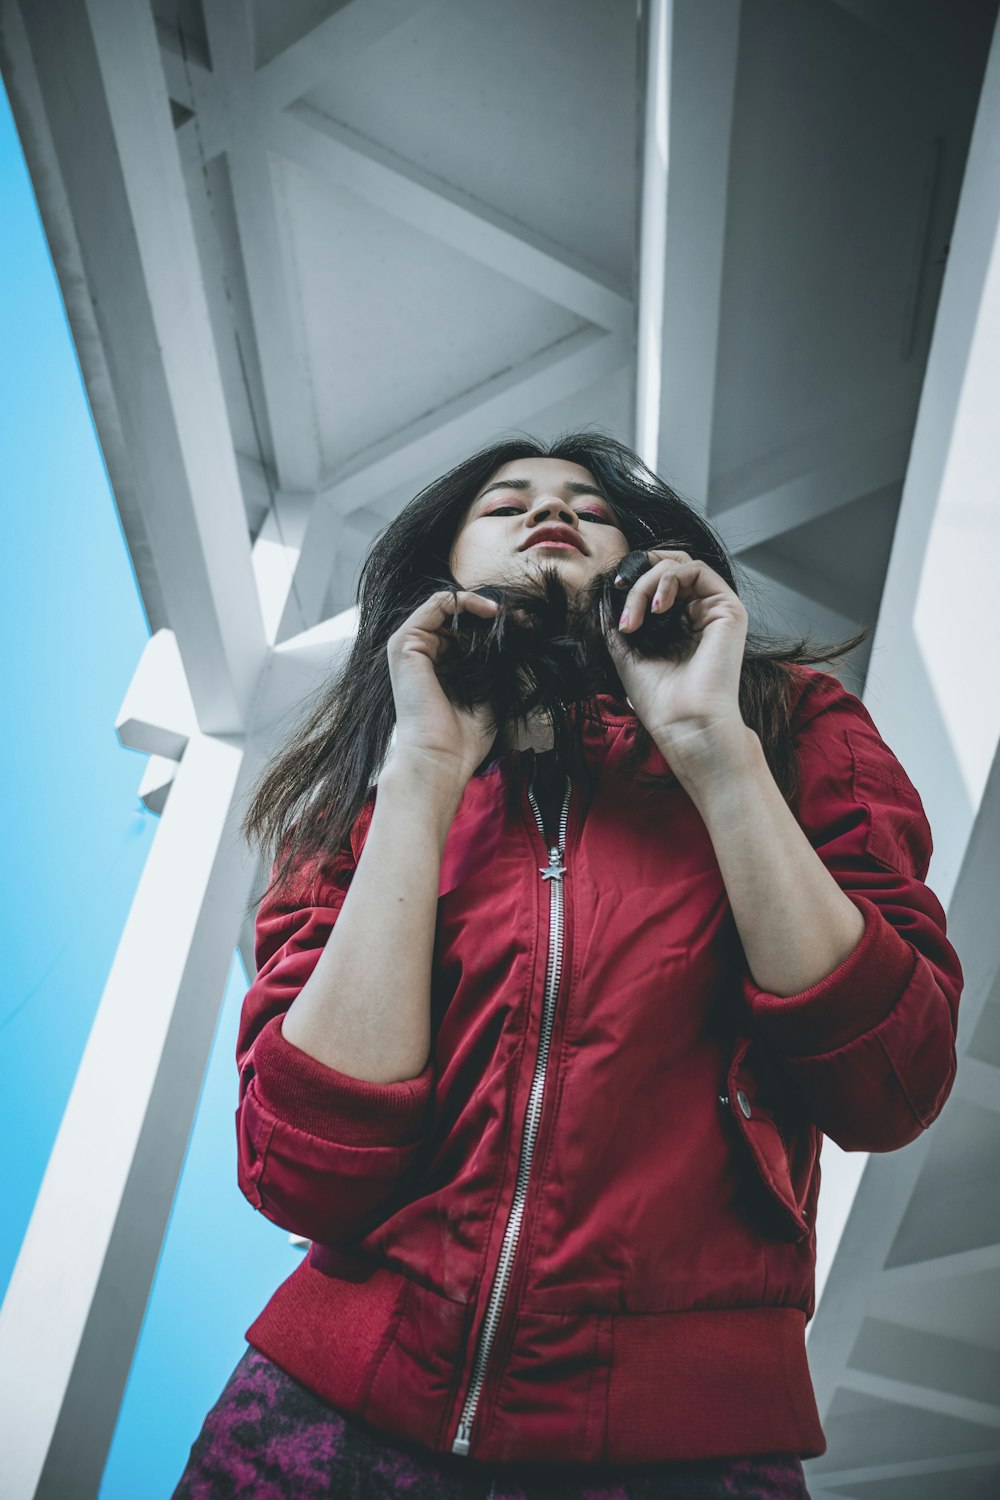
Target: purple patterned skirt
(270, 1438)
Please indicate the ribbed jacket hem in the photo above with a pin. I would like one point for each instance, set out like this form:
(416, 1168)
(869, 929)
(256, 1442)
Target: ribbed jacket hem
(615, 1388)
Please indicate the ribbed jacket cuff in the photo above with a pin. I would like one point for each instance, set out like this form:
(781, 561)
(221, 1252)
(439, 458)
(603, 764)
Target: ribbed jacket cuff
(853, 999)
(306, 1094)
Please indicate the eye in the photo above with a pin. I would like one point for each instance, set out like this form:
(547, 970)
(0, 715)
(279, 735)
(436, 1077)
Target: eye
(587, 515)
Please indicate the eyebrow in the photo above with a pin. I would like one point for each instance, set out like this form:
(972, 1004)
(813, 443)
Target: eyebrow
(574, 486)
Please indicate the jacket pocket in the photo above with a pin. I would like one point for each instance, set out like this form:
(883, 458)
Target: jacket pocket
(783, 1155)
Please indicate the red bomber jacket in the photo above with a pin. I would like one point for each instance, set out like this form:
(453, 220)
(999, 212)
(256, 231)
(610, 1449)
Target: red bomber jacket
(586, 1231)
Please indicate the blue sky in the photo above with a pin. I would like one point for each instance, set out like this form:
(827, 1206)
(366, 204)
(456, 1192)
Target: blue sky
(76, 839)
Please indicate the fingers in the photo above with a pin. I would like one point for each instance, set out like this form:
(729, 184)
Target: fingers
(675, 574)
(422, 626)
(440, 605)
(659, 588)
(444, 601)
(478, 603)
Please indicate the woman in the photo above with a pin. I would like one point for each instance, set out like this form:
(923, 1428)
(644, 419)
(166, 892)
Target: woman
(541, 1062)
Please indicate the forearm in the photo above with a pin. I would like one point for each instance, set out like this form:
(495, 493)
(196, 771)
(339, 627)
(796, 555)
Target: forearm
(366, 1008)
(794, 921)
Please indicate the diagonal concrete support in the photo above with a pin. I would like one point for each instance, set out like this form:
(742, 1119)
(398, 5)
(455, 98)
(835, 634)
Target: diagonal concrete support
(125, 189)
(72, 1314)
(939, 629)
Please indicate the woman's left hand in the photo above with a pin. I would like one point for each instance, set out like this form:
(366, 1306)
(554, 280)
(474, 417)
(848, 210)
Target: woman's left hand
(690, 704)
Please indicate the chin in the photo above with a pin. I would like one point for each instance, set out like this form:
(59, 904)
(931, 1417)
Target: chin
(539, 560)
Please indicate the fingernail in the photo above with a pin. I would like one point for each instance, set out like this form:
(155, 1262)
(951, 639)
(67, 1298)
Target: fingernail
(624, 620)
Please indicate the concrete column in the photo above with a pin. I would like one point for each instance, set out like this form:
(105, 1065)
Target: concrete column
(931, 688)
(691, 51)
(72, 1314)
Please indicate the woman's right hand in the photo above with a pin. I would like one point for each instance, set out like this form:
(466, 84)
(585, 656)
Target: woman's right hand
(433, 733)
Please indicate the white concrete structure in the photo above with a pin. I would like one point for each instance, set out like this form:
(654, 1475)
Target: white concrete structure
(314, 254)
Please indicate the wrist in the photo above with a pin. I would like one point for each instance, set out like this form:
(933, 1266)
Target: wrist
(413, 780)
(704, 760)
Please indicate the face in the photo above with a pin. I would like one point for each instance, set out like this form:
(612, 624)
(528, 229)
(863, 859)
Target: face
(503, 536)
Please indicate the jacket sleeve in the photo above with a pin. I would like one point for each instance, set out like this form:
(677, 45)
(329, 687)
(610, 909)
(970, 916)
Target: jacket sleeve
(869, 1050)
(320, 1153)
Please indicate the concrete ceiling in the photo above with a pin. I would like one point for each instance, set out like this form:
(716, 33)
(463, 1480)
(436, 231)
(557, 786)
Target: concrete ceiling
(404, 210)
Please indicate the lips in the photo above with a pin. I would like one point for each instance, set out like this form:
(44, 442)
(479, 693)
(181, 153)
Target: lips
(553, 534)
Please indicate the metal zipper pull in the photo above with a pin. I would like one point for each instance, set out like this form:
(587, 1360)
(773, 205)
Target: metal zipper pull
(462, 1441)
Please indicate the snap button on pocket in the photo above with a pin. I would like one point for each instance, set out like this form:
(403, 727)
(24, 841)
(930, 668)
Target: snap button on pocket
(774, 1149)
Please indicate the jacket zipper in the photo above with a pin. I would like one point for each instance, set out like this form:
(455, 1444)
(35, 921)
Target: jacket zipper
(487, 1333)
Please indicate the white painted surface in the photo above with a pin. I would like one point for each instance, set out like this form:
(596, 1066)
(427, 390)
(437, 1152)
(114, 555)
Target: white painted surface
(657, 33)
(702, 82)
(72, 1312)
(157, 714)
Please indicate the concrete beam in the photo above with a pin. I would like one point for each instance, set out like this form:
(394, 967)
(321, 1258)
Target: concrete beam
(934, 35)
(445, 435)
(861, 1244)
(69, 1325)
(125, 190)
(979, 1083)
(942, 532)
(265, 251)
(840, 1481)
(655, 37)
(296, 668)
(157, 779)
(947, 540)
(303, 66)
(702, 91)
(785, 609)
(344, 159)
(157, 715)
(267, 106)
(24, 94)
(922, 1398)
(867, 468)
(347, 34)
(937, 1268)
(180, 69)
(294, 556)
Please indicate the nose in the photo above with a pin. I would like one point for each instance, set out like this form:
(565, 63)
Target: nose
(558, 512)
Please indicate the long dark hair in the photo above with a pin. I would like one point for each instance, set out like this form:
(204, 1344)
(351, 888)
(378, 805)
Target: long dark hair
(306, 800)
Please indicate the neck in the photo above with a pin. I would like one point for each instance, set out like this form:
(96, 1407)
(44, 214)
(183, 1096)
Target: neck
(535, 735)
